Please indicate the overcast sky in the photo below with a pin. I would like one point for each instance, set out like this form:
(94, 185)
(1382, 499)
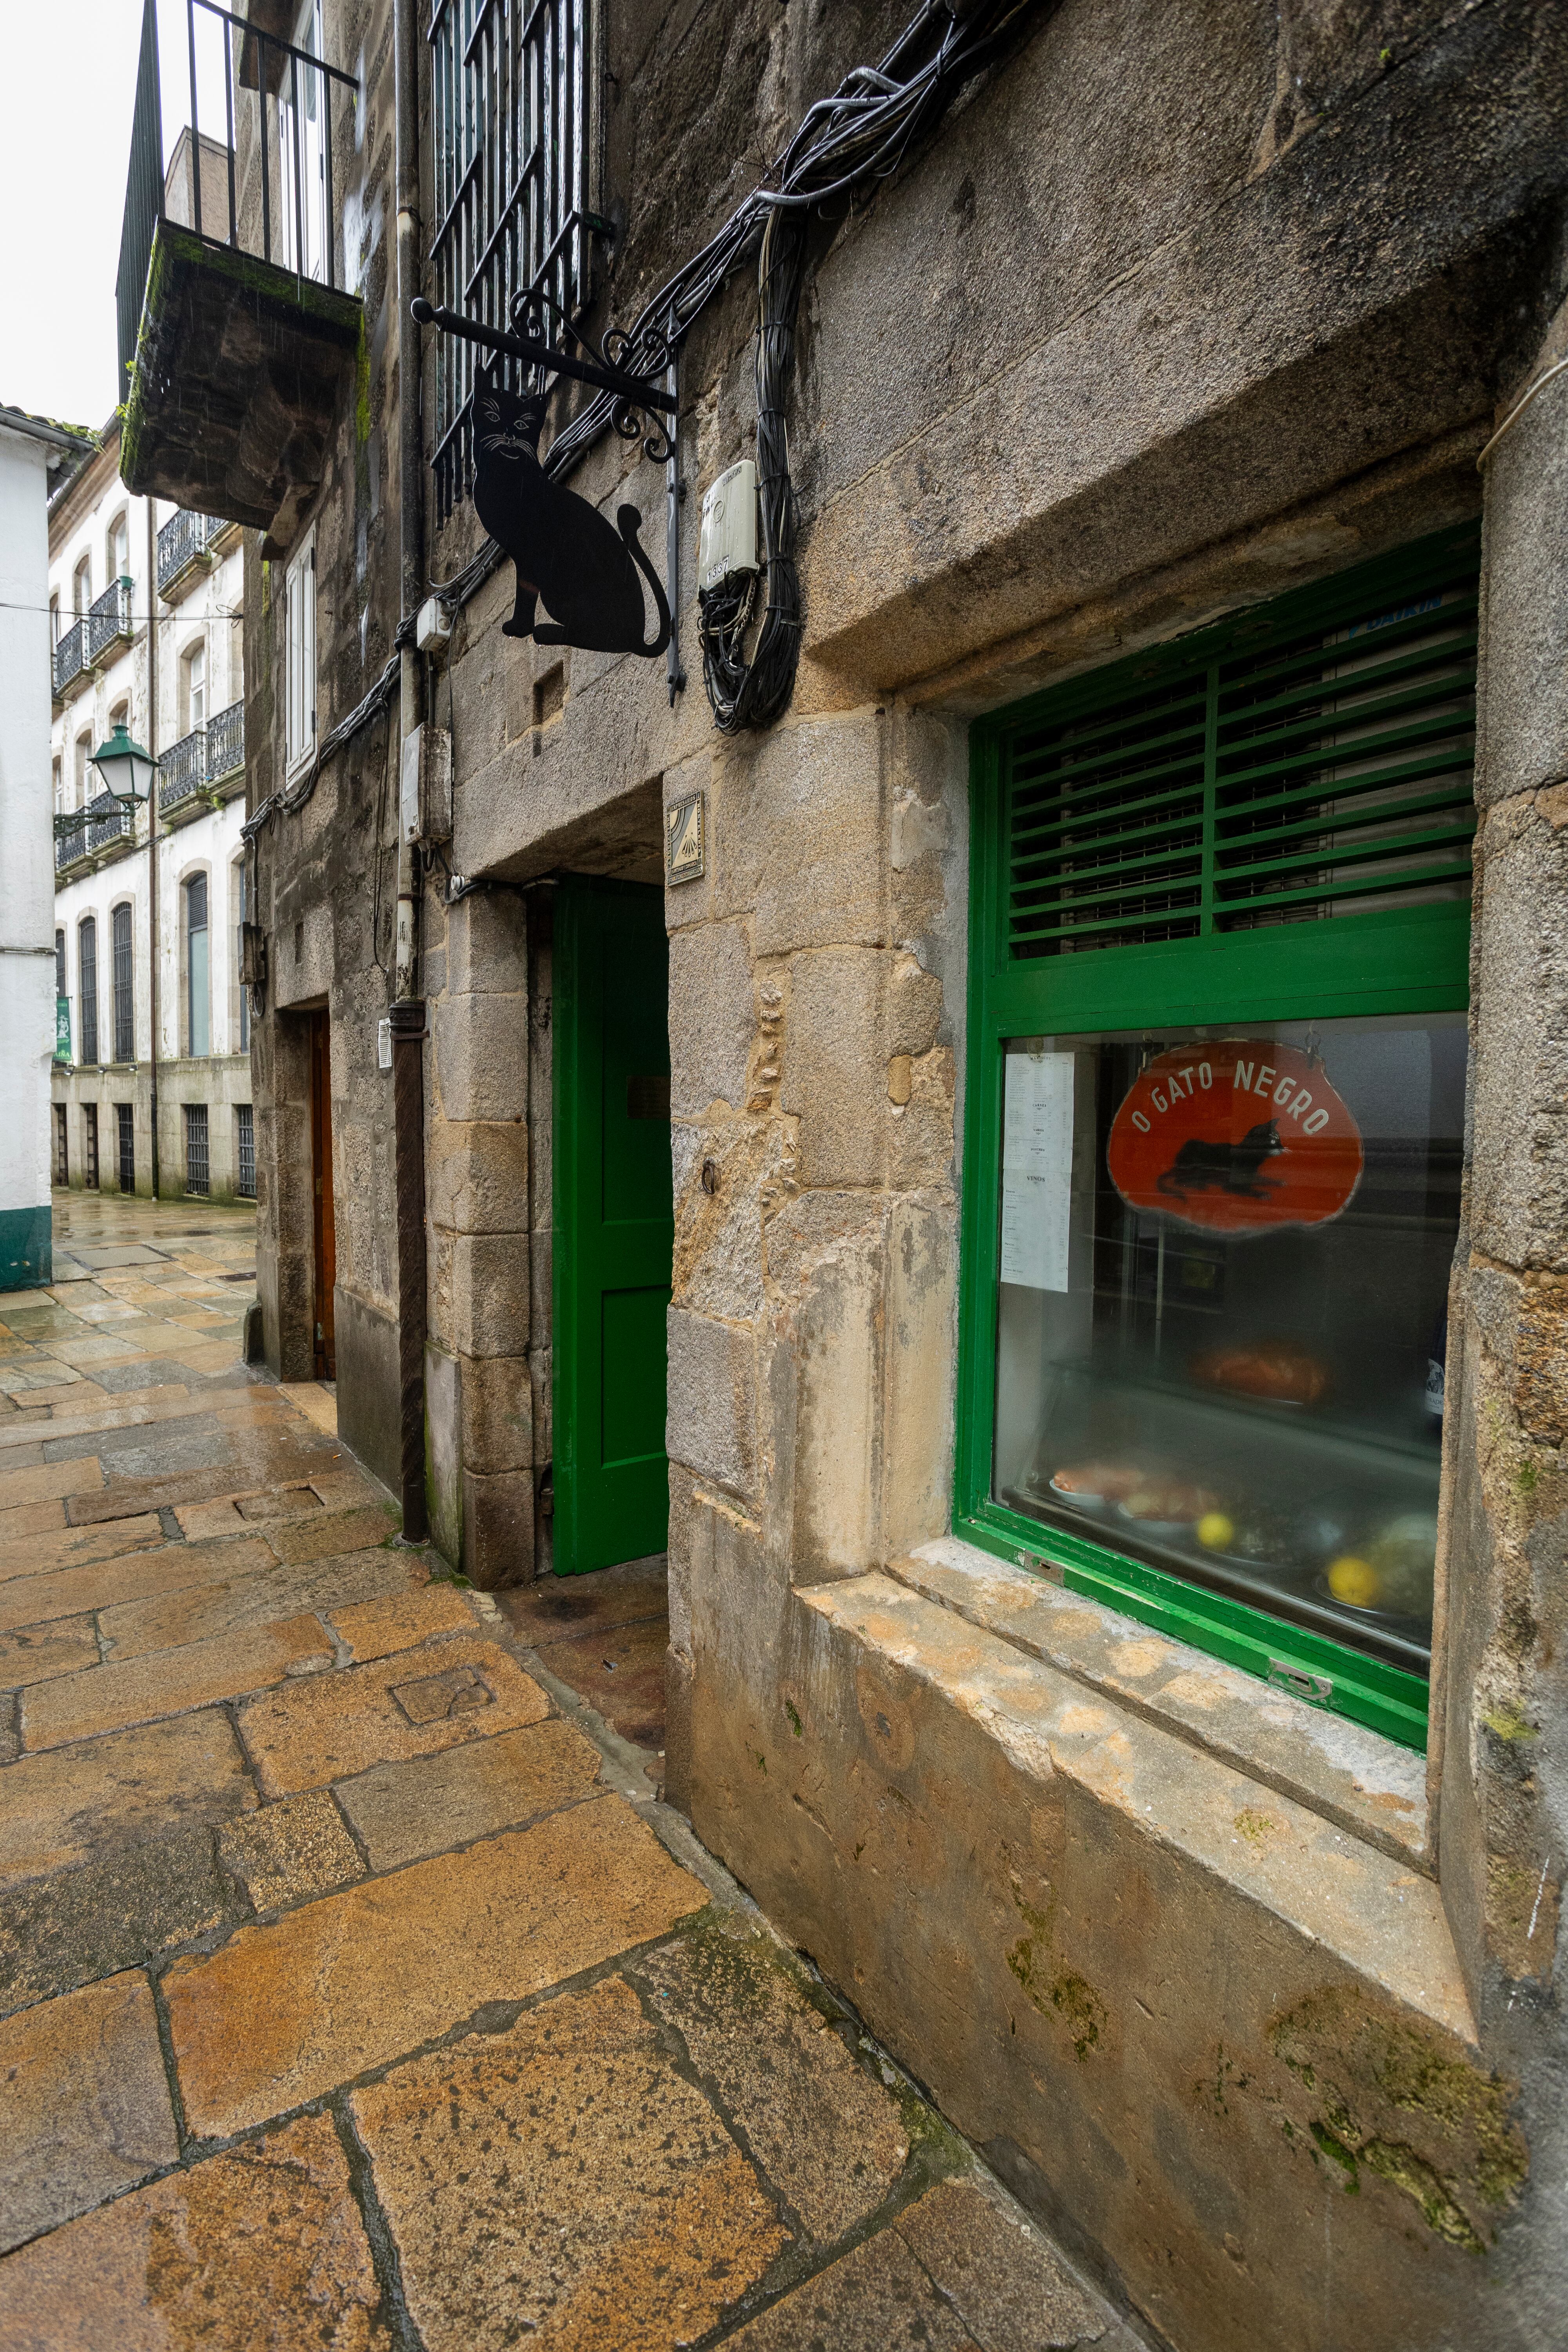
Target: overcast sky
(68, 85)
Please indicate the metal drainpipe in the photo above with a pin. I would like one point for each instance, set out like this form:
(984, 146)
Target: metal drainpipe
(153, 825)
(408, 1007)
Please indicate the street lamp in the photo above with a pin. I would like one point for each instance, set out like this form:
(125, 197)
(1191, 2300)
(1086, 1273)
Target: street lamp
(126, 769)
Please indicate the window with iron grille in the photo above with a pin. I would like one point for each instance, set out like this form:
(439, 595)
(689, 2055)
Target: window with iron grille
(62, 1156)
(126, 1119)
(198, 1171)
(124, 987)
(1219, 950)
(510, 98)
(89, 1146)
(245, 1150)
(87, 971)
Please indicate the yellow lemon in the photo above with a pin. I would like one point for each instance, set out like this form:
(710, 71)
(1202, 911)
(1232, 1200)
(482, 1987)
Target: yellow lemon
(1215, 1531)
(1355, 1580)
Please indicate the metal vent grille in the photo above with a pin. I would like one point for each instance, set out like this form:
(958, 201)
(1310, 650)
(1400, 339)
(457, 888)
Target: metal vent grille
(1302, 776)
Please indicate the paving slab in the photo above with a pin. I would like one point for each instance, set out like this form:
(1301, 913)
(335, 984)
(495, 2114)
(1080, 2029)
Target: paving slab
(31, 1520)
(286, 1503)
(47, 1482)
(87, 2105)
(415, 1704)
(875, 2299)
(127, 1575)
(68, 1547)
(129, 1904)
(57, 1809)
(169, 1682)
(254, 1596)
(555, 1608)
(560, 2183)
(379, 1629)
(1006, 2283)
(283, 2013)
(291, 1851)
(827, 2136)
(38, 1652)
(402, 1812)
(260, 2250)
(620, 1671)
(309, 1538)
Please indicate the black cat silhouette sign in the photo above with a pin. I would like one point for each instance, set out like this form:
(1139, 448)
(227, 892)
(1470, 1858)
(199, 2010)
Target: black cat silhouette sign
(569, 559)
(1241, 1136)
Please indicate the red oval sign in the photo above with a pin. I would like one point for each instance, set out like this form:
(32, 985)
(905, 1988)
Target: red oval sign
(1239, 1137)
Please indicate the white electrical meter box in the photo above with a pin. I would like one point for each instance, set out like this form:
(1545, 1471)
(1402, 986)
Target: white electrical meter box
(729, 542)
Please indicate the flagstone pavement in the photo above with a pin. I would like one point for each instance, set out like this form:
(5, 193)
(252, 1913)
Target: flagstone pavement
(356, 1988)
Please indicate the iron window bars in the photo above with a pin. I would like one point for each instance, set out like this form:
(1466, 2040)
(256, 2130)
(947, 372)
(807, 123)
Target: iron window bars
(124, 999)
(198, 1167)
(287, 166)
(245, 1129)
(125, 1116)
(509, 102)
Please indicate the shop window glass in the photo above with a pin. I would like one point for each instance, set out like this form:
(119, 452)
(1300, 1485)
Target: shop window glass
(1217, 1112)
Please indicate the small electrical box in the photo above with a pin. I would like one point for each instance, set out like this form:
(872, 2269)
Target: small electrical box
(426, 793)
(729, 542)
(433, 626)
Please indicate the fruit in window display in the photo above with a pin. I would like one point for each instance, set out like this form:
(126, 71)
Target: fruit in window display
(1354, 1581)
(1215, 1531)
(1274, 1371)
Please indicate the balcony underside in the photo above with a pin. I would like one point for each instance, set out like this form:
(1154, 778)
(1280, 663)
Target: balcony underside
(239, 365)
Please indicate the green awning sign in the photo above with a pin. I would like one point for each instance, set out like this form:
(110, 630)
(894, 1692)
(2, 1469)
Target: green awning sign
(62, 1028)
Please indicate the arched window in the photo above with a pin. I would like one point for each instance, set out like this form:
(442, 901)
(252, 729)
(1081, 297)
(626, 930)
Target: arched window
(84, 772)
(198, 991)
(54, 620)
(59, 963)
(239, 904)
(59, 787)
(87, 973)
(119, 547)
(81, 587)
(124, 986)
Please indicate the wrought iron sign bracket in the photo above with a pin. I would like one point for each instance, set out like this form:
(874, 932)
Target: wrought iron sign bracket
(632, 393)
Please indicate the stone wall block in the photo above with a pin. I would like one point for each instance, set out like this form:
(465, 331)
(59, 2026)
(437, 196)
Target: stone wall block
(921, 1137)
(490, 1294)
(1522, 736)
(835, 1074)
(1519, 1174)
(712, 1409)
(443, 1452)
(831, 1338)
(919, 1345)
(476, 1176)
(712, 1019)
(799, 836)
(481, 1057)
(487, 945)
(497, 1528)
(728, 1177)
(497, 1414)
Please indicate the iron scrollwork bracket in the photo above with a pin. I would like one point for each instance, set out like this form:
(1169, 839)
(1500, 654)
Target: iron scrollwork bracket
(641, 403)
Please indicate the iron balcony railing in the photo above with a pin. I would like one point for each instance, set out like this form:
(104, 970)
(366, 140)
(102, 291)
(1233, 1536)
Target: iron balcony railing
(257, 180)
(182, 539)
(109, 820)
(109, 619)
(71, 657)
(183, 770)
(225, 743)
(70, 845)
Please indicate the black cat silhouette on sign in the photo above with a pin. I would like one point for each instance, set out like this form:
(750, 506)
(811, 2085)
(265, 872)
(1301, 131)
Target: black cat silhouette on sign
(568, 558)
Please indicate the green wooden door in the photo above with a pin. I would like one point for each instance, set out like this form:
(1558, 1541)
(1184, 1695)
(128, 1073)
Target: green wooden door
(614, 1221)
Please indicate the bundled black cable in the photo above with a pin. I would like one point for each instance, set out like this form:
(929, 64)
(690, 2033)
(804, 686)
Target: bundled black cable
(753, 692)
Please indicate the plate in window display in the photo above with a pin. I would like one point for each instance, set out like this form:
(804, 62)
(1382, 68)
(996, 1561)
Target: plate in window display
(1168, 1508)
(1240, 1136)
(1095, 1486)
(1389, 1576)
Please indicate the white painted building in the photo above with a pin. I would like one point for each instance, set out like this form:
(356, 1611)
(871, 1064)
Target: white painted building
(33, 453)
(146, 625)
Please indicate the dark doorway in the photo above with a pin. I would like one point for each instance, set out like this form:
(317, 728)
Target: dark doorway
(614, 1223)
(325, 1232)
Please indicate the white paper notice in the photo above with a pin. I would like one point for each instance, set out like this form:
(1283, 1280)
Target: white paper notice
(1036, 1171)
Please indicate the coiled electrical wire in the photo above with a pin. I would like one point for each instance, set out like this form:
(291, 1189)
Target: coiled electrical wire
(753, 692)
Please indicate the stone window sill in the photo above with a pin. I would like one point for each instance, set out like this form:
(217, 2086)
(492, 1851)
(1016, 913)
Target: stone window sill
(1346, 1774)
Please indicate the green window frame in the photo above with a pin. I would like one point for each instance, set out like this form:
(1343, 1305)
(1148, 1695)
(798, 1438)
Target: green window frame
(1398, 959)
